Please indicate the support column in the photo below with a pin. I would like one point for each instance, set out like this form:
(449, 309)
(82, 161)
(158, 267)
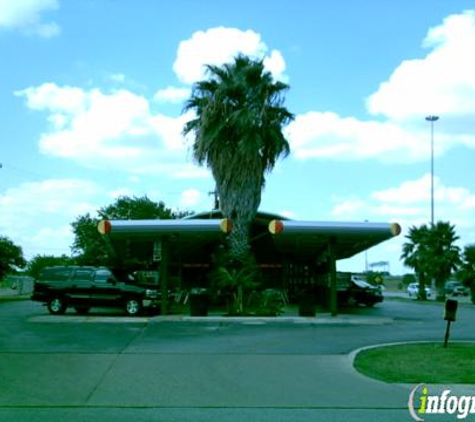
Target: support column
(164, 276)
(332, 269)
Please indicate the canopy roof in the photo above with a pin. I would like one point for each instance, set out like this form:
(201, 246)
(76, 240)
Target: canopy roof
(273, 237)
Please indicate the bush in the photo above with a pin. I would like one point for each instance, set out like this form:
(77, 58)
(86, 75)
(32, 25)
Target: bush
(269, 302)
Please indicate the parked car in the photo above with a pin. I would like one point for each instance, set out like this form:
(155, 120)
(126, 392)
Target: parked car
(362, 292)
(413, 290)
(455, 288)
(85, 287)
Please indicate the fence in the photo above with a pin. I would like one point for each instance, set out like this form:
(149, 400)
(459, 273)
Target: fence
(17, 285)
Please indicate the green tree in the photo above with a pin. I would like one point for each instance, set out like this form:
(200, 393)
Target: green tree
(38, 262)
(127, 208)
(90, 248)
(408, 279)
(238, 135)
(11, 257)
(431, 252)
(236, 282)
(445, 255)
(416, 255)
(466, 273)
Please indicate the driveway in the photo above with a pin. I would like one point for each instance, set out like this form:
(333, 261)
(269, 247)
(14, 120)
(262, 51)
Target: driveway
(107, 367)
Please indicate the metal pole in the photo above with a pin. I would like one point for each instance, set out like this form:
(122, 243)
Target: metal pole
(432, 173)
(432, 119)
(333, 279)
(366, 257)
(447, 334)
(164, 266)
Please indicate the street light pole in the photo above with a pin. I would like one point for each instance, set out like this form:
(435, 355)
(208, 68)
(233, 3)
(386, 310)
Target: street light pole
(432, 119)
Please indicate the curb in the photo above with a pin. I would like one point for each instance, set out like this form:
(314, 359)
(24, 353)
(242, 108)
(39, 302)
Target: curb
(326, 320)
(212, 319)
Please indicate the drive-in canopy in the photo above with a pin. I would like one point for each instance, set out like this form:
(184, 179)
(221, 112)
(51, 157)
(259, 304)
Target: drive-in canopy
(272, 236)
(274, 239)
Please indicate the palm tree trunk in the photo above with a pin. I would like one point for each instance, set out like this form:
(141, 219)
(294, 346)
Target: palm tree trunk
(240, 197)
(239, 248)
(240, 298)
(422, 286)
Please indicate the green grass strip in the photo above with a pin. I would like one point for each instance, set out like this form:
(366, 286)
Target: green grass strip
(419, 363)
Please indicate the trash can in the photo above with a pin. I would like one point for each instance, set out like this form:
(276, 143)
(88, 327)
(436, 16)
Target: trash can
(307, 305)
(198, 302)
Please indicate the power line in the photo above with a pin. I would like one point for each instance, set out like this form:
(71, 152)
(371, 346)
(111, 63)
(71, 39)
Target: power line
(20, 170)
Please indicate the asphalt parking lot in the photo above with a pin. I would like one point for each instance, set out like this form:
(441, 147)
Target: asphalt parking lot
(108, 367)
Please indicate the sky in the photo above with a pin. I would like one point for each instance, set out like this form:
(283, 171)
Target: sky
(92, 94)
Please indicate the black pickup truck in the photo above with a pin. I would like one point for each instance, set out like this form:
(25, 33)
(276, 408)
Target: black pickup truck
(85, 287)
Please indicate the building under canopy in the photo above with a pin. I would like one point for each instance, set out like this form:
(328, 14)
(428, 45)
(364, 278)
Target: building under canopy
(293, 255)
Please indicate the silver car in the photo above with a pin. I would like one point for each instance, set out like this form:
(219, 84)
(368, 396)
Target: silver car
(413, 290)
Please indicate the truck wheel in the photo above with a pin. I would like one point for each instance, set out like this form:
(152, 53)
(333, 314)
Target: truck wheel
(133, 306)
(82, 310)
(57, 306)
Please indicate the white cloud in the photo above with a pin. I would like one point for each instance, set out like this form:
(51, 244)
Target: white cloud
(37, 215)
(25, 15)
(347, 207)
(170, 130)
(409, 192)
(49, 241)
(442, 83)
(217, 46)
(328, 135)
(418, 191)
(190, 198)
(409, 205)
(275, 64)
(114, 130)
(53, 197)
(56, 99)
(172, 94)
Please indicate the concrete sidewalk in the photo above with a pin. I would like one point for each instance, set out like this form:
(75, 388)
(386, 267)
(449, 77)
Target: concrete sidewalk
(192, 381)
(152, 385)
(321, 319)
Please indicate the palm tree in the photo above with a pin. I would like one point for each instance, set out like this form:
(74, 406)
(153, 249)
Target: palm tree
(466, 273)
(445, 254)
(432, 253)
(238, 135)
(416, 255)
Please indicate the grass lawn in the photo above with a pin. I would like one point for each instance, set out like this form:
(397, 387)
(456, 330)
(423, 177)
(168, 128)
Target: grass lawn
(420, 362)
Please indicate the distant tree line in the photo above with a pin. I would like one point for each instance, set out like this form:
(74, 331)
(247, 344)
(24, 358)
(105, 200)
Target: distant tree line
(88, 246)
(11, 257)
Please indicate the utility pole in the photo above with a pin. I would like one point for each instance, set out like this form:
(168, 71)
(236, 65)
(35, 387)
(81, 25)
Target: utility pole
(216, 198)
(432, 119)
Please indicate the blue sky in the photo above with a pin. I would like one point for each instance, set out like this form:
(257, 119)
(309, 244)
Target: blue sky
(92, 93)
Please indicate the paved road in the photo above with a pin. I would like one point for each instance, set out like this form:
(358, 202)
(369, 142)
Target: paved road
(107, 367)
